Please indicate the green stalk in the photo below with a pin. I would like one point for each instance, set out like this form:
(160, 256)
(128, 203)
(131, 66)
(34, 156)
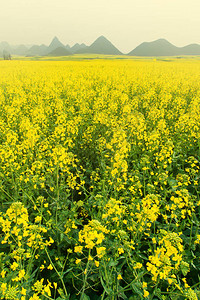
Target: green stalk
(61, 279)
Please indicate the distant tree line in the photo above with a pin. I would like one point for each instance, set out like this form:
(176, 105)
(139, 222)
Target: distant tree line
(6, 55)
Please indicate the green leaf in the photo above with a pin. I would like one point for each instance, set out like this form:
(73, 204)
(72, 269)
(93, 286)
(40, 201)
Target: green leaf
(185, 268)
(108, 290)
(137, 290)
(121, 294)
(112, 263)
(84, 297)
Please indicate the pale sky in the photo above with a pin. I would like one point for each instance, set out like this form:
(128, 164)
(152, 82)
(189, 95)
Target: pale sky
(126, 23)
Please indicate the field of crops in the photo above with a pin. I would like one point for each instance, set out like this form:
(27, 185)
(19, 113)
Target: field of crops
(99, 180)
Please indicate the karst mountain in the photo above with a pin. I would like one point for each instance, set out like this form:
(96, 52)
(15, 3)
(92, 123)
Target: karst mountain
(101, 45)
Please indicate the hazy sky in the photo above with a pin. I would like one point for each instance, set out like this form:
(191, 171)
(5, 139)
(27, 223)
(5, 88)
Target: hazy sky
(126, 23)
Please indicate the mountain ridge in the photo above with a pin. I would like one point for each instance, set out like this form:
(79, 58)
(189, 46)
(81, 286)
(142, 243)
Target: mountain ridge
(162, 47)
(159, 47)
(60, 51)
(100, 46)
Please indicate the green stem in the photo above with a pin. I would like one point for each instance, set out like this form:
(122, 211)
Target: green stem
(57, 190)
(85, 278)
(61, 279)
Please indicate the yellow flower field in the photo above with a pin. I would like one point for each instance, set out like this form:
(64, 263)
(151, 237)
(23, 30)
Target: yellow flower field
(99, 179)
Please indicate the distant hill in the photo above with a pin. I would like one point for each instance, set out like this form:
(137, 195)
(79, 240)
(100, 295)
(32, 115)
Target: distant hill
(192, 49)
(78, 47)
(20, 50)
(100, 46)
(162, 47)
(159, 47)
(68, 47)
(54, 45)
(60, 51)
(37, 50)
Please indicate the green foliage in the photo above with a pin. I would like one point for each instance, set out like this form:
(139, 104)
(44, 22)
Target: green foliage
(99, 180)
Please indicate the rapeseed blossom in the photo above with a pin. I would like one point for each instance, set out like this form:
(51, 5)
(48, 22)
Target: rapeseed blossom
(99, 178)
